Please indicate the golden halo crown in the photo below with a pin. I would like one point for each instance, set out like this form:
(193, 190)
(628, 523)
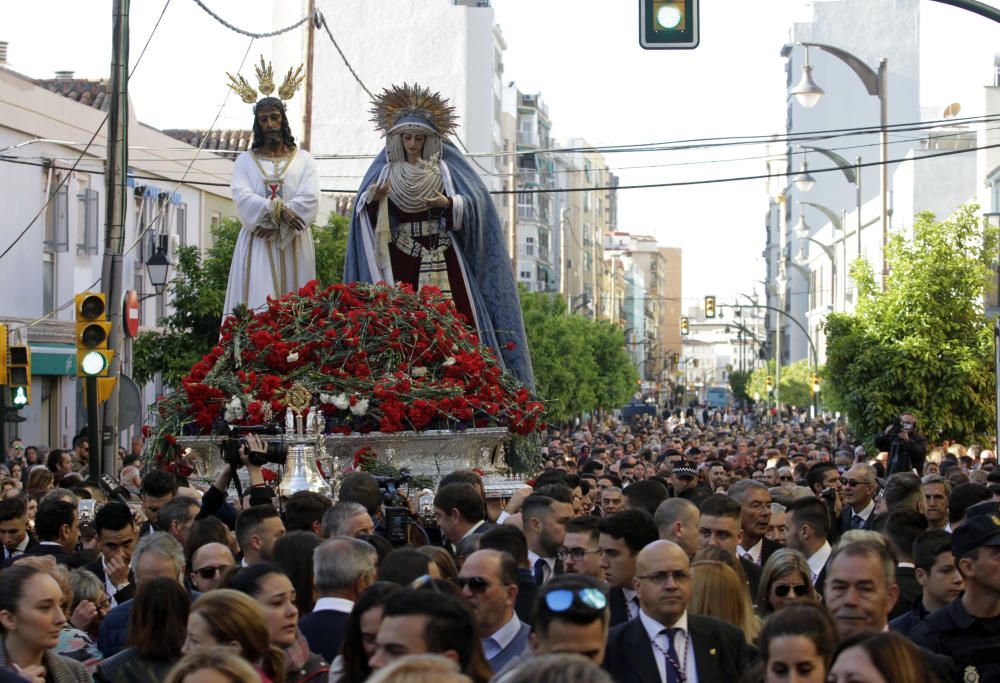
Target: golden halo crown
(265, 83)
(399, 102)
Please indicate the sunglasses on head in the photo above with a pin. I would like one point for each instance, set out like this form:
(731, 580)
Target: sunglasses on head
(476, 584)
(562, 599)
(208, 573)
(784, 589)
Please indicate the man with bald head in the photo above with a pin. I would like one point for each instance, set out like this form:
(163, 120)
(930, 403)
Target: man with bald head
(665, 644)
(208, 564)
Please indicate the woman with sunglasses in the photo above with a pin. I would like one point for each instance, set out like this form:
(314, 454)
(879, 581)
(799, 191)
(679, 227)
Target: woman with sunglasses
(785, 581)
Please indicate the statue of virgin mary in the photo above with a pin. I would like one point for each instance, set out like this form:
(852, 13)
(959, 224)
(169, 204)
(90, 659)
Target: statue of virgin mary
(423, 216)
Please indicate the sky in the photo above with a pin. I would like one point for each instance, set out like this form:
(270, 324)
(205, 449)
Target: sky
(582, 56)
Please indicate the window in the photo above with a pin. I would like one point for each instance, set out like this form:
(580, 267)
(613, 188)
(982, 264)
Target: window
(48, 282)
(57, 220)
(181, 214)
(88, 222)
(525, 275)
(529, 246)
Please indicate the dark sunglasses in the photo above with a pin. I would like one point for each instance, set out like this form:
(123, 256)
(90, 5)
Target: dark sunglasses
(562, 599)
(787, 479)
(784, 589)
(208, 573)
(476, 584)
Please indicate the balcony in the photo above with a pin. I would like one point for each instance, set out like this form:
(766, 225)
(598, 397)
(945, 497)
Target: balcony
(527, 138)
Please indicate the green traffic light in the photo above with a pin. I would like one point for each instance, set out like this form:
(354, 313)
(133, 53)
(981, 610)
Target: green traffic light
(20, 398)
(93, 363)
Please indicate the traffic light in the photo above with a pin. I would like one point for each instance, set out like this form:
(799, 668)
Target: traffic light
(709, 306)
(769, 384)
(18, 376)
(676, 358)
(684, 326)
(815, 384)
(93, 331)
(668, 24)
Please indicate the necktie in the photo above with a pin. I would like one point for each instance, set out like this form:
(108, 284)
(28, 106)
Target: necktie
(673, 667)
(540, 565)
(632, 604)
(857, 521)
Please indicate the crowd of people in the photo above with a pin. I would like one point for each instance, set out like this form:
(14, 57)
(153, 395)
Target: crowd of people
(666, 551)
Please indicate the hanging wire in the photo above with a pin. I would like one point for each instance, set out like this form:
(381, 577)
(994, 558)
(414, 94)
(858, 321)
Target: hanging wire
(250, 34)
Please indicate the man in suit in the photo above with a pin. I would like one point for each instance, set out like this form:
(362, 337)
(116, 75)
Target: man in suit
(460, 512)
(158, 488)
(58, 529)
(544, 519)
(902, 528)
(510, 539)
(14, 532)
(860, 484)
(623, 535)
(665, 644)
(116, 538)
(755, 498)
(342, 568)
(488, 580)
(807, 526)
(720, 526)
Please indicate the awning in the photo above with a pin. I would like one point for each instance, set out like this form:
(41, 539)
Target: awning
(53, 359)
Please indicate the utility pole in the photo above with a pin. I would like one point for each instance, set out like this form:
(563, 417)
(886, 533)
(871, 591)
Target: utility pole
(307, 101)
(115, 169)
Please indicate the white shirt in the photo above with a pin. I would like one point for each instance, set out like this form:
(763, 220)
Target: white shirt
(631, 604)
(473, 528)
(109, 586)
(818, 560)
(753, 552)
(866, 513)
(494, 644)
(19, 550)
(653, 628)
(550, 564)
(334, 605)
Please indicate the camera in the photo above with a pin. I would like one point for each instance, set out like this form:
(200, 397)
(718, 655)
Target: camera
(276, 453)
(397, 516)
(829, 494)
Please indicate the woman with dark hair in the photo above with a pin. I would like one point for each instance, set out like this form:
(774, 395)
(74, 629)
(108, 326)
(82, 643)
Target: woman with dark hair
(879, 658)
(235, 620)
(359, 635)
(273, 591)
(404, 565)
(797, 642)
(447, 569)
(31, 620)
(157, 626)
(293, 554)
(785, 581)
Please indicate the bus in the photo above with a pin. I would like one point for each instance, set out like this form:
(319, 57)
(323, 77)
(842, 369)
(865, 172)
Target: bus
(718, 397)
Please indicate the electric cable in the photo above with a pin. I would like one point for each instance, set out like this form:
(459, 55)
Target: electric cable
(250, 34)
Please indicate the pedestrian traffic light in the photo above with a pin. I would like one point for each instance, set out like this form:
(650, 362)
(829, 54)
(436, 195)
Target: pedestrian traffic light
(18, 375)
(668, 24)
(93, 331)
(684, 326)
(709, 306)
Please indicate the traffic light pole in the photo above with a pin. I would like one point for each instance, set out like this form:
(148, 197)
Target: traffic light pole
(114, 237)
(93, 429)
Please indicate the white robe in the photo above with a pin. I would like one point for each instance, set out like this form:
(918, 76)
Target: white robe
(262, 267)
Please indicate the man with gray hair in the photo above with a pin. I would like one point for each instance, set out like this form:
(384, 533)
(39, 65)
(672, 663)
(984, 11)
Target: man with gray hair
(347, 519)
(860, 485)
(343, 568)
(157, 555)
(755, 498)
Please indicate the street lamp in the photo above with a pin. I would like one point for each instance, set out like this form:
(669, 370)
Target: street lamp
(158, 268)
(804, 180)
(807, 93)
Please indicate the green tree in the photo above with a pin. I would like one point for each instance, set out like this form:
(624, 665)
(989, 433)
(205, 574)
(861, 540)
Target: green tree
(738, 381)
(580, 365)
(198, 292)
(796, 380)
(924, 344)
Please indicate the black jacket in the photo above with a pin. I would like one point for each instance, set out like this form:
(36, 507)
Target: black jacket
(527, 589)
(720, 651)
(128, 666)
(127, 592)
(619, 608)
(909, 591)
(904, 456)
(324, 630)
(969, 641)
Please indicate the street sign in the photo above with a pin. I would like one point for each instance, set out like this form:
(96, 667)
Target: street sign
(130, 314)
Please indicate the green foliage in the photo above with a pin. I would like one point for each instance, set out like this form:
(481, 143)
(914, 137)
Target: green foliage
(580, 364)
(738, 381)
(198, 289)
(795, 383)
(924, 344)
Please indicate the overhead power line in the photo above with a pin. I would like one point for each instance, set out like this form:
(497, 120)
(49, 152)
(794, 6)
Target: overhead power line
(251, 34)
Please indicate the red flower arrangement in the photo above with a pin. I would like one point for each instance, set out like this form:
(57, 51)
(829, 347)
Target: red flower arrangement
(374, 358)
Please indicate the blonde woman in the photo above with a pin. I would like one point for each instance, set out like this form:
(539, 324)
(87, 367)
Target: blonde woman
(716, 591)
(785, 581)
(218, 665)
